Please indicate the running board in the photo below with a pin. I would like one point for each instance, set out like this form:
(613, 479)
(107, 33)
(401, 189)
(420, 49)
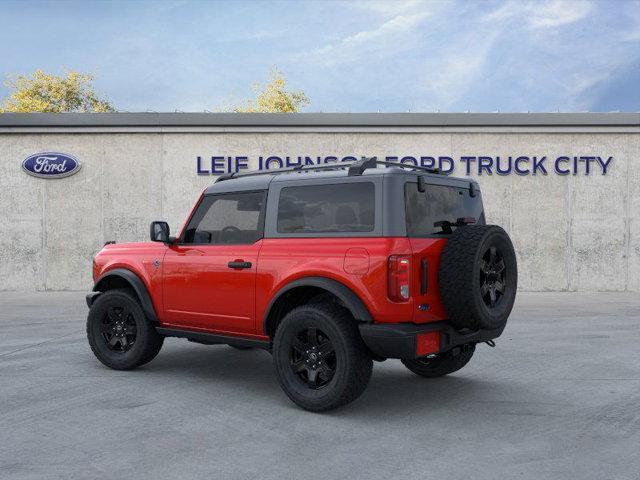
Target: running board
(213, 338)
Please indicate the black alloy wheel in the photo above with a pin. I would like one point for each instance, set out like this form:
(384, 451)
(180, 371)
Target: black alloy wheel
(119, 333)
(492, 277)
(119, 328)
(319, 357)
(313, 357)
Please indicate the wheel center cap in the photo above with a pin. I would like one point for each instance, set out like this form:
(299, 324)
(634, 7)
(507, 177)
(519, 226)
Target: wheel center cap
(119, 328)
(313, 357)
(492, 277)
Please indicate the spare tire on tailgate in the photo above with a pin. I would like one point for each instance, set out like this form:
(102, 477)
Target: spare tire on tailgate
(478, 277)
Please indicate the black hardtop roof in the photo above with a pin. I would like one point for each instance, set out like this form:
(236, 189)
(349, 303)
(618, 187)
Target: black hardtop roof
(260, 180)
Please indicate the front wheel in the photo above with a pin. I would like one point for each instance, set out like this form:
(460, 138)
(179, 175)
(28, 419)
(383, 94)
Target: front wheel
(442, 364)
(119, 333)
(319, 358)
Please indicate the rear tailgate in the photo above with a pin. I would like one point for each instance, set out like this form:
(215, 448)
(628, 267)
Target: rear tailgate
(432, 212)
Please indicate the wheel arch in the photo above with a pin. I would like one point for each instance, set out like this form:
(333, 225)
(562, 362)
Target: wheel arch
(305, 287)
(122, 277)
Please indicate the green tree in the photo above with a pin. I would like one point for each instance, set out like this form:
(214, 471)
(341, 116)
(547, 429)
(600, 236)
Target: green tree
(42, 92)
(274, 98)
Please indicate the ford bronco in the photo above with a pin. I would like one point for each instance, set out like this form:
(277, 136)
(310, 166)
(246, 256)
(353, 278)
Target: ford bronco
(328, 268)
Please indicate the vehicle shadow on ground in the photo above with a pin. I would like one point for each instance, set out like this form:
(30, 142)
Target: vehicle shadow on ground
(393, 389)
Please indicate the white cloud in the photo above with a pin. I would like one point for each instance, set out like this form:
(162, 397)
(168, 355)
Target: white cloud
(556, 13)
(389, 7)
(392, 37)
(540, 15)
(522, 55)
(452, 73)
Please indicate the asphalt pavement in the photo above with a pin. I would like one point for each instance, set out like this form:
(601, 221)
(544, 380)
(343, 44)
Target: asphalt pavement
(558, 398)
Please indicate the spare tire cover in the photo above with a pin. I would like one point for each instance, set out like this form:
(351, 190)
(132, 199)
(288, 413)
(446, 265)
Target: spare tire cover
(478, 277)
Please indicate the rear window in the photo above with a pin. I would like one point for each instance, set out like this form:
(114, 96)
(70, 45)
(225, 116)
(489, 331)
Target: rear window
(343, 207)
(438, 203)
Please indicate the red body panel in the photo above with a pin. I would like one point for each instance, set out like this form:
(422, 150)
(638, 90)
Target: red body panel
(284, 260)
(194, 288)
(139, 258)
(201, 291)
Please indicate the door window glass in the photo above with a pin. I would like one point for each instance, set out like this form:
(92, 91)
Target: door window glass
(227, 219)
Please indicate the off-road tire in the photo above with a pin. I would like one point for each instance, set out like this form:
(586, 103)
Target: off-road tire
(148, 341)
(353, 365)
(462, 277)
(443, 364)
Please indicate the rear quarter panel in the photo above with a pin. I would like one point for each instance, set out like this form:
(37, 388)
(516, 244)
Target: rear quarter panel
(283, 260)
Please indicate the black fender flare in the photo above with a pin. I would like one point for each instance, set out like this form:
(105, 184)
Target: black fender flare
(344, 293)
(136, 284)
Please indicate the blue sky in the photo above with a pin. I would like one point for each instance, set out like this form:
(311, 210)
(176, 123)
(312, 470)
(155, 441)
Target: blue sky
(360, 56)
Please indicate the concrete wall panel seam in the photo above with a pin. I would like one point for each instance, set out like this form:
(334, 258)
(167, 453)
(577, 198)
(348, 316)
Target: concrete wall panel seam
(627, 232)
(569, 255)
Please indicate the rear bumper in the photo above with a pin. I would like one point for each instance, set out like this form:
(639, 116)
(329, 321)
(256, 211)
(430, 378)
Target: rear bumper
(400, 340)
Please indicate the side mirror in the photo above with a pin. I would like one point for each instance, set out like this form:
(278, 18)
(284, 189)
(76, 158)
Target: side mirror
(159, 232)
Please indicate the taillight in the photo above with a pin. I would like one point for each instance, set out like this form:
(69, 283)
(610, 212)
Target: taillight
(399, 268)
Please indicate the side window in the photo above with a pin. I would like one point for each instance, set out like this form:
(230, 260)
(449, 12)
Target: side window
(234, 218)
(343, 207)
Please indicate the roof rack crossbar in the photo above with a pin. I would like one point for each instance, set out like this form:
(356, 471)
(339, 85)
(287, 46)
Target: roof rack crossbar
(355, 168)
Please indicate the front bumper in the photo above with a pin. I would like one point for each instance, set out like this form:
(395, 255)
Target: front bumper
(91, 297)
(400, 340)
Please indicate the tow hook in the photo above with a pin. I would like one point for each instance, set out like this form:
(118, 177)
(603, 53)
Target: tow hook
(491, 343)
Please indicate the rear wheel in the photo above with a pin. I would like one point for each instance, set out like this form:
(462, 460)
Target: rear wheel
(320, 360)
(442, 364)
(119, 333)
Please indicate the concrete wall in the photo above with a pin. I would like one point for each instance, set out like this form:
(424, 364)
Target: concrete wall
(571, 232)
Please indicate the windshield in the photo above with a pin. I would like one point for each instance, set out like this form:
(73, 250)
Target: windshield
(437, 210)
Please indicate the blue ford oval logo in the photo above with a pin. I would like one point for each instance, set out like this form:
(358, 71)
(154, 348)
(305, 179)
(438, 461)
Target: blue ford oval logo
(51, 165)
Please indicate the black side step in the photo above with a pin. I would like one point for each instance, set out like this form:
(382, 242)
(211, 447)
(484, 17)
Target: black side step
(213, 339)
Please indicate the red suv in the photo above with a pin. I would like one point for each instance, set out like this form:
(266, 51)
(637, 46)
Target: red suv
(327, 267)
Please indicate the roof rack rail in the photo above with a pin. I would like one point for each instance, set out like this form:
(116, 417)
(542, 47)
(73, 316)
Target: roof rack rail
(275, 171)
(358, 168)
(355, 168)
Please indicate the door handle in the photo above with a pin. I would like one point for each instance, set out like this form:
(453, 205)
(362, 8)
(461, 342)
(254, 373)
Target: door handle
(239, 264)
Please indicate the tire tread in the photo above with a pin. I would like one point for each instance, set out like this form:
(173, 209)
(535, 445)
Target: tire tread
(455, 276)
(152, 340)
(444, 365)
(359, 363)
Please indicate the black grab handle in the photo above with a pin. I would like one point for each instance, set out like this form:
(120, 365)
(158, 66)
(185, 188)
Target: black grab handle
(239, 265)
